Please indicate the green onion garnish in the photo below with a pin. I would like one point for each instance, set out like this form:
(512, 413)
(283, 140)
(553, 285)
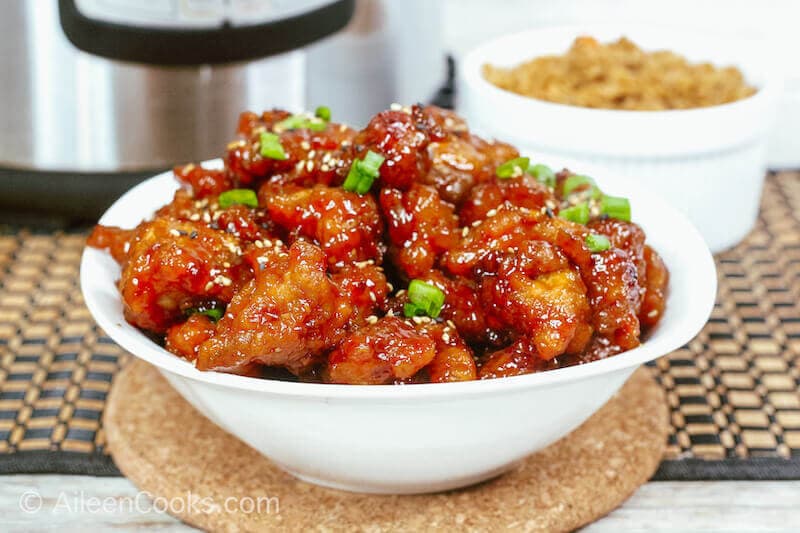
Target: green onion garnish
(576, 213)
(575, 181)
(513, 167)
(214, 313)
(323, 112)
(271, 146)
(616, 207)
(424, 298)
(303, 121)
(543, 173)
(597, 243)
(363, 172)
(238, 196)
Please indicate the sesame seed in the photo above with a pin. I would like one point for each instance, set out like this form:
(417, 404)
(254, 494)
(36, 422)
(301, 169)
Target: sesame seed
(390, 313)
(305, 146)
(126, 247)
(653, 313)
(445, 337)
(312, 153)
(310, 166)
(324, 168)
(235, 144)
(395, 107)
(372, 296)
(400, 292)
(342, 128)
(175, 233)
(135, 282)
(326, 157)
(372, 319)
(226, 264)
(206, 217)
(451, 324)
(464, 231)
(267, 243)
(209, 285)
(258, 244)
(223, 280)
(195, 217)
(491, 212)
(389, 286)
(476, 223)
(188, 168)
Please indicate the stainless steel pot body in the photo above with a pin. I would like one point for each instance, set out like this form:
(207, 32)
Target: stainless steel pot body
(69, 111)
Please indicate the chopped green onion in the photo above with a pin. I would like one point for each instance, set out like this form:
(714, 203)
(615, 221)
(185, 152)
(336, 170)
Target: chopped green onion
(576, 213)
(323, 112)
(238, 196)
(597, 243)
(513, 167)
(577, 181)
(363, 172)
(214, 313)
(411, 310)
(424, 297)
(543, 173)
(616, 207)
(271, 146)
(302, 121)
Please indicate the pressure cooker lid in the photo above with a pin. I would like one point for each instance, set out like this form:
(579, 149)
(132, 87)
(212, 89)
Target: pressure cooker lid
(194, 32)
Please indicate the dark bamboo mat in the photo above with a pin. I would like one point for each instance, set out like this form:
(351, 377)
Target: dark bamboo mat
(733, 390)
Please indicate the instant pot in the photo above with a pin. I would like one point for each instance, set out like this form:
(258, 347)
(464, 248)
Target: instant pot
(98, 94)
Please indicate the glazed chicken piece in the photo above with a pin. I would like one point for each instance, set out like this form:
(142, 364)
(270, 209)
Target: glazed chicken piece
(611, 280)
(629, 237)
(401, 136)
(174, 265)
(453, 165)
(204, 182)
(514, 360)
(288, 316)
(539, 295)
(364, 285)
(655, 289)
(523, 192)
(347, 226)
(453, 361)
(245, 223)
(390, 350)
(462, 306)
(185, 339)
(312, 157)
(420, 225)
(506, 229)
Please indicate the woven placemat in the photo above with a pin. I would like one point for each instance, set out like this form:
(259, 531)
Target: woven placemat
(732, 391)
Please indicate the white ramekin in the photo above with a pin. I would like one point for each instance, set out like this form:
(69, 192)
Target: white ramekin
(416, 438)
(708, 162)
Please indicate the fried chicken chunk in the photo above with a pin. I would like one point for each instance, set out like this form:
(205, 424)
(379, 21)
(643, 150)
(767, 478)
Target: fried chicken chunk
(173, 265)
(346, 225)
(421, 226)
(288, 316)
(541, 296)
(387, 351)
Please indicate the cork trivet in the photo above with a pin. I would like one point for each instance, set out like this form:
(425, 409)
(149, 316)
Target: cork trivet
(171, 451)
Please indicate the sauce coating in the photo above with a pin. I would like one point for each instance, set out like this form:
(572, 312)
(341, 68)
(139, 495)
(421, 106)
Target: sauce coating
(309, 280)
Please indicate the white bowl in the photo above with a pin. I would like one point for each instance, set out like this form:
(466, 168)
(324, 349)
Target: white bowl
(708, 162)
(414, 438)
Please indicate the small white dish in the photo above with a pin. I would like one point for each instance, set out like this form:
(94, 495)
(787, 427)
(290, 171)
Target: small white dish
(415, 438)
(708, 162)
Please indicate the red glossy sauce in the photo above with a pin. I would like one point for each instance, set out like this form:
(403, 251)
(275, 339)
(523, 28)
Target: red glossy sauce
(313, 280)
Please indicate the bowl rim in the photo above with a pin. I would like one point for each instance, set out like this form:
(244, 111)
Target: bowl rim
(472, 66)
(139, 345)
